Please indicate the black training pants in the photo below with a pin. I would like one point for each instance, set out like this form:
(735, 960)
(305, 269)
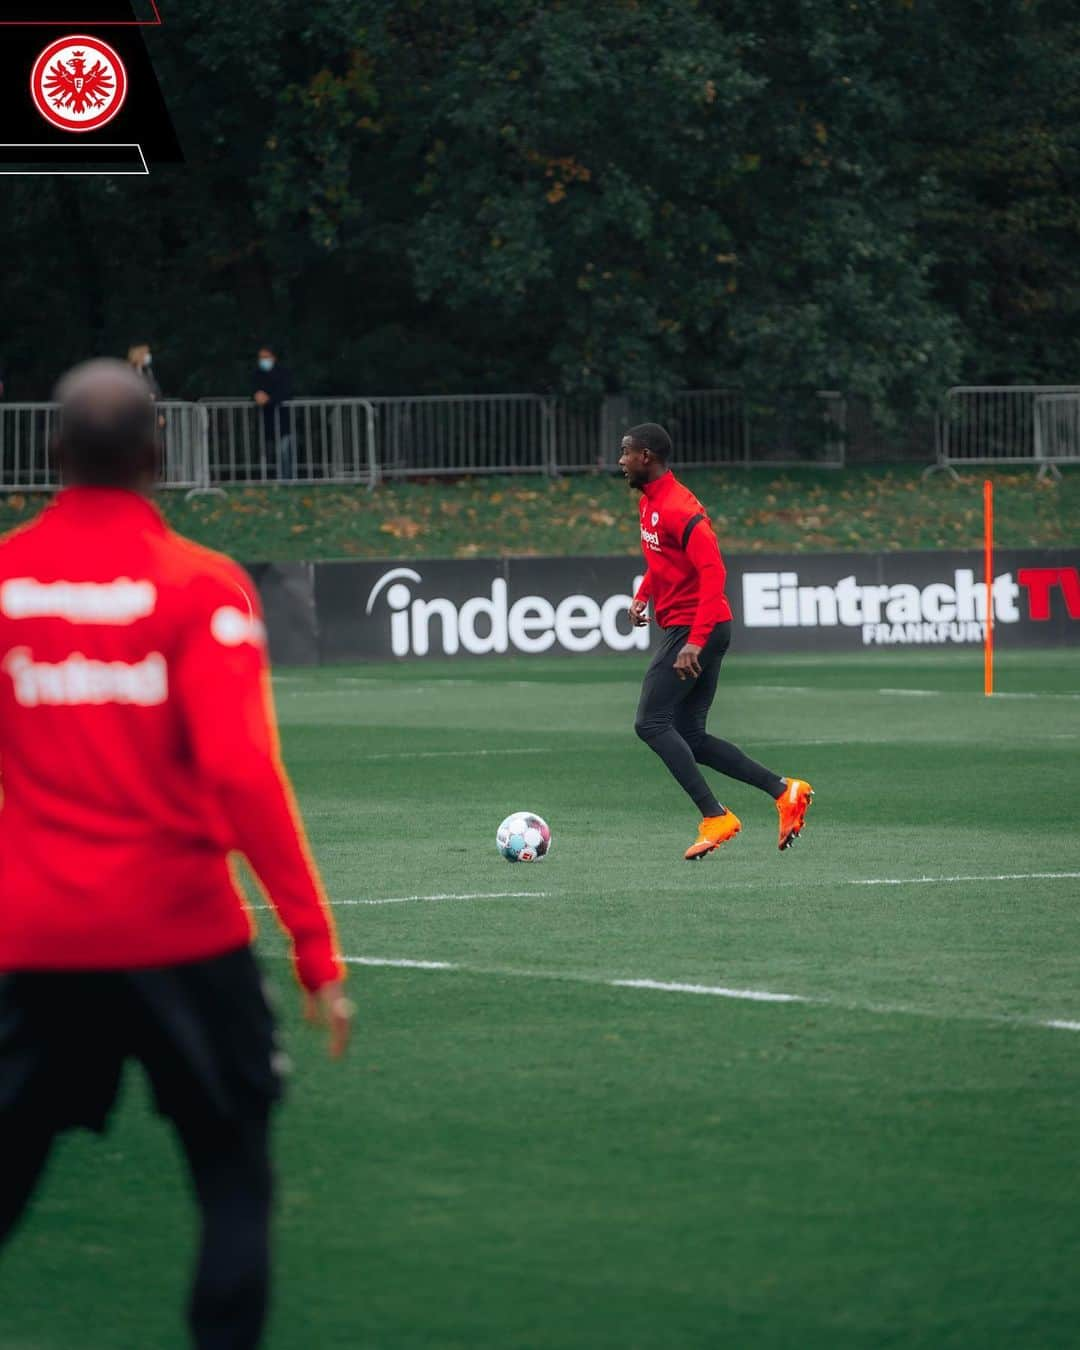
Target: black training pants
(205, 1036)
(230, 1173)
(671, 720)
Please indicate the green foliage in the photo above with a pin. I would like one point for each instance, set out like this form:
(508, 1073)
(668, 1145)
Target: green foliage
(876, 196)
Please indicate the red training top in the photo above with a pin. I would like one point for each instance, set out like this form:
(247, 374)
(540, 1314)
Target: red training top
(685, 576)
(138, 747)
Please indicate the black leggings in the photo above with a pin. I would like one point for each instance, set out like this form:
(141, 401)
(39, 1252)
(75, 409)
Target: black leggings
(230, 1170)
(671, 720)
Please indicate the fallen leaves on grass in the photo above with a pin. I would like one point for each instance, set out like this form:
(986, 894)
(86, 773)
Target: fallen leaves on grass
(402, 527)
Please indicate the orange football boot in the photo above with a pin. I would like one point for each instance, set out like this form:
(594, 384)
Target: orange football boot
(792, 806)
(712, 832)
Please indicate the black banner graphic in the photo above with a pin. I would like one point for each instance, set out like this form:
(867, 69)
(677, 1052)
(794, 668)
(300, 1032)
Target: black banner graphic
(375, 611)
(78, 93)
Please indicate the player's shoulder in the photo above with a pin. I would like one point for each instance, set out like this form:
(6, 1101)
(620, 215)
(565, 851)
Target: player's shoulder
(202, 572)
(23, 538)
(684, 502)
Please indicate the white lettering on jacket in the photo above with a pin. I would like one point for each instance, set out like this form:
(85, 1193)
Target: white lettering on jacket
(231, 627)
(115, 602)
(81, 680)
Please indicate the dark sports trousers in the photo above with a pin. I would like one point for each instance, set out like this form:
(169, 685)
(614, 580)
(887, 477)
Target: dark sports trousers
(671, 720)
(204, 1033)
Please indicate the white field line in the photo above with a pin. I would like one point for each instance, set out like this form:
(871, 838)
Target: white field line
(1068, 694)
(800, 882)
(456, 754)
(966, 693)
(708, 990)
(796, 742)
(717, 990)
(895, 693)
(464, 895)
(400, 961)
(941, 881)
(778, 689)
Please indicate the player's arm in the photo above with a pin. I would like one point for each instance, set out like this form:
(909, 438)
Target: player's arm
(640, 602)
(222, 680)
(703, 552)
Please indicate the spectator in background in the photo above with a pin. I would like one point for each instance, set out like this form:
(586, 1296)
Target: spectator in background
(272, 391)
(141, 360)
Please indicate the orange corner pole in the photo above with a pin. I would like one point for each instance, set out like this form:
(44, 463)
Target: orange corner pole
(988, 569)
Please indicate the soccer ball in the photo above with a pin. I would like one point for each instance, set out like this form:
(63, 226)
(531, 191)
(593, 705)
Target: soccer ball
(523, 837)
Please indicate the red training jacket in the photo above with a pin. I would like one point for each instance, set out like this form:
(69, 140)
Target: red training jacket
(138, 747)
(685, 572)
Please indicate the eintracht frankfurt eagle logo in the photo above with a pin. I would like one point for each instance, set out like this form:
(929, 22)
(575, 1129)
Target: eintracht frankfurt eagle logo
(78, 83)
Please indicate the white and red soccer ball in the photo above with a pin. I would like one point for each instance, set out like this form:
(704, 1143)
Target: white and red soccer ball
(523, 837)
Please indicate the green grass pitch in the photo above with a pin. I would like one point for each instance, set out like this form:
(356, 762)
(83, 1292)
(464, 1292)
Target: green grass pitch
(520, 1153)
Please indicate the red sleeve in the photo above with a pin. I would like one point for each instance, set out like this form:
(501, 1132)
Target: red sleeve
(222, 679)
(645, 589)
(704, 553)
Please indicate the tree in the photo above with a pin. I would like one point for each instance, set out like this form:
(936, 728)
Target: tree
(645, 195)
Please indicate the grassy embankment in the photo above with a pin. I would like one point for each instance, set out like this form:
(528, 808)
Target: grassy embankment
(755, 510)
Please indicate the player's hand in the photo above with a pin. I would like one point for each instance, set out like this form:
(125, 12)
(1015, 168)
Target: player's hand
(687, 665)
(638, 617)
(328, 1007)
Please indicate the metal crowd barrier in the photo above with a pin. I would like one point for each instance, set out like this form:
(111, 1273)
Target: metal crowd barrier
(446, 435)
(461, 434)
(182, 432)
(1057, 427)
(1008, 424)
(305, 440)
(361, 440)
(27, 431)
(709, 427)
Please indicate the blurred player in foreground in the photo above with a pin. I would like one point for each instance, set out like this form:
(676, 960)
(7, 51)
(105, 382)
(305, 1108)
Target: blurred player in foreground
(684, 579)
(138, 748)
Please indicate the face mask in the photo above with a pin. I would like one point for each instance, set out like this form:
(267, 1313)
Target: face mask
(147, 359)
(266, 363)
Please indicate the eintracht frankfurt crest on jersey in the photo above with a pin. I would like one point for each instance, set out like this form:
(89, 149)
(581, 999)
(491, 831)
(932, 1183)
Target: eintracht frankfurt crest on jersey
(78, 83)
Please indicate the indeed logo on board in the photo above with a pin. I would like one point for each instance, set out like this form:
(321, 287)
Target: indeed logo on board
(489, 623)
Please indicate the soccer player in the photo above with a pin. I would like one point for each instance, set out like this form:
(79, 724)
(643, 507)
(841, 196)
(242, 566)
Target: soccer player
(684, 579)
(138, 749)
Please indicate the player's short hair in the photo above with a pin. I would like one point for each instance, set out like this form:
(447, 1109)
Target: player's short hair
(108, 424)
(652, 436)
